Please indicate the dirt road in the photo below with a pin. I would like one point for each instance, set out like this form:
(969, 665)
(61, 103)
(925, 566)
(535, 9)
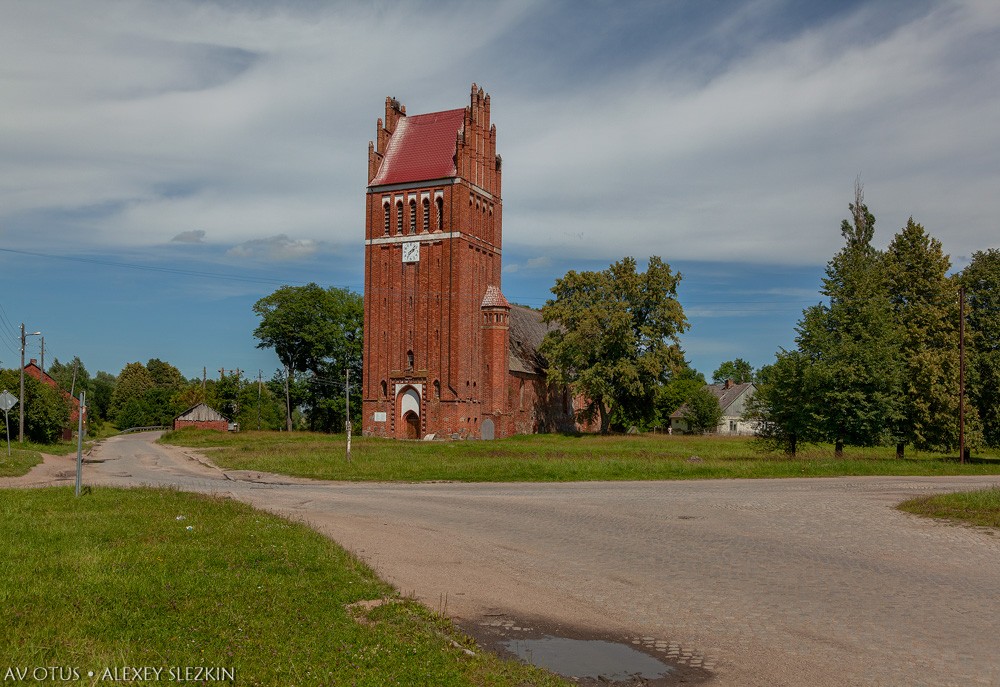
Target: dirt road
(762, 582)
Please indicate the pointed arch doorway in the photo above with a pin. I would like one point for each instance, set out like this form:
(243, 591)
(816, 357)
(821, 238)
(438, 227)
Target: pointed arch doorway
(408, 412)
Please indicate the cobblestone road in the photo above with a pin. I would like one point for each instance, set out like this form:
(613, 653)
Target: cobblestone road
(763, 582)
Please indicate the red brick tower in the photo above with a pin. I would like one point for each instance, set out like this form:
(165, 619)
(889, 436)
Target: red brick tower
(435, 350)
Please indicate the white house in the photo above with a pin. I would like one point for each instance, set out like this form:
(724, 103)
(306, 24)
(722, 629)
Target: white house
(732, 399)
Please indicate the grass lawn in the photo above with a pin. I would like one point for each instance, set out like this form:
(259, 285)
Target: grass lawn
(25, 456)
(981, 507)
(550, 458)
(174, 581)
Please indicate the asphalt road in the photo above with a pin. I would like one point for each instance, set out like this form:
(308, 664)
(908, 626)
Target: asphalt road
(760, 582)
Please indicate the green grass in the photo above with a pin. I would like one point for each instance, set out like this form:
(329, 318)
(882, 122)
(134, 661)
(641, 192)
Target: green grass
(115, 578)
(20, 461)
(25, 456)
(980, 507)
(549, 458)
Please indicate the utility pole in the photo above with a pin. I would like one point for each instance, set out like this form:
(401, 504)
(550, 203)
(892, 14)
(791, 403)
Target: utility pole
(24, 337)
(260, 374)
(347, 392)
(204, 379)
(43, 356)
(961, 374)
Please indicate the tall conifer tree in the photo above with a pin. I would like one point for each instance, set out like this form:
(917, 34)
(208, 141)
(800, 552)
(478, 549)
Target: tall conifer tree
(851, 341)
(982, 283)
(925, 309)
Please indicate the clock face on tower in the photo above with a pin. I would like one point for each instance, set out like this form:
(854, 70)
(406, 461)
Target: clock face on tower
(411, 251)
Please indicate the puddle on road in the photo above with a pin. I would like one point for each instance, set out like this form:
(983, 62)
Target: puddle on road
(588, 658)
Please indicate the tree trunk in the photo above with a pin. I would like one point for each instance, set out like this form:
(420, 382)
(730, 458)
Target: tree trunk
(838, 448)
(605, 418)
(792, 445)
(900, 448)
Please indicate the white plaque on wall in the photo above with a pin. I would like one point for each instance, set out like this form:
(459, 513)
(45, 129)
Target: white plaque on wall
(379, 417)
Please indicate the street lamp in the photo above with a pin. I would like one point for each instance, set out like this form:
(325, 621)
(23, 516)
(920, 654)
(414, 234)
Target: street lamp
(20, 434)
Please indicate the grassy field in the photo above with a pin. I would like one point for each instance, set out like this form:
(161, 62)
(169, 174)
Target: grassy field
(550, 458)
(980, 507)
(25, 456)
(177, 582)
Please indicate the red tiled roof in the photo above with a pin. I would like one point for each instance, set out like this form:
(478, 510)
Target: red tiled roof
(421, 148)
(494, 298)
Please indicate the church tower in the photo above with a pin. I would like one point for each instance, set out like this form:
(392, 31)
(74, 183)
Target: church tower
(436, 323)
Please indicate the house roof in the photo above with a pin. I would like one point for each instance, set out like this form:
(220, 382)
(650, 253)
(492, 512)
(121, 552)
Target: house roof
(726, 395)
(422, 147)
(32, 369)
(494, 298)
(527, 329)
(202, 413)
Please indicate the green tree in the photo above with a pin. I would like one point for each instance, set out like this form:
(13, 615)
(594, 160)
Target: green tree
(165, 375)
(671, 396)
(852, 342)
(981, 280)
(99, 400)
(925, 308)
(702, 411)
(785, 407)
(739, 370)
(72, 377)
(617, 339)
(46, 411)
(315, 330)
(127, 401)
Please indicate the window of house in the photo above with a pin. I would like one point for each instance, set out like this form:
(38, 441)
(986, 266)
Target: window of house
(440, 208)
(409, 360)
(385, 209)
(399, 217)
(413, 217)
(427, 215)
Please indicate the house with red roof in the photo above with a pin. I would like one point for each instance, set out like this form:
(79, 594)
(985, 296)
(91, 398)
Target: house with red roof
(445, 352)
(33, 370)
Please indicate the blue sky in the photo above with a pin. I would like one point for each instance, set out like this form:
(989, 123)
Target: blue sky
(166, 163)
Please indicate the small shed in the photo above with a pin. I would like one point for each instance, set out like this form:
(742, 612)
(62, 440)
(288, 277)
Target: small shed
(202, 417)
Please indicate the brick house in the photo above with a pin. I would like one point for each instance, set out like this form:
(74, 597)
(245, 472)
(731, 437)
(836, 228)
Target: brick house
(33, 370)
(202, 416)
(445, 353)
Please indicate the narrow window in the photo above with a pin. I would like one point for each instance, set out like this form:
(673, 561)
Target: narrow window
(409, 360)
(437, 389)
(384, 389)
(413, 216)
(399, 217)
(385, 208)
(440, 208)
(427, 214)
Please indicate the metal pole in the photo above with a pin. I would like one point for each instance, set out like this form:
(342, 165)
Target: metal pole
(288, 400)
(260, 374)
(79, 442)
(347, 388)
(961, 374)
(6, 417)
(43, 354)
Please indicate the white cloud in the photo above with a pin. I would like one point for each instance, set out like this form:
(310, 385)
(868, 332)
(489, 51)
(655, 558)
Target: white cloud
(126, 121)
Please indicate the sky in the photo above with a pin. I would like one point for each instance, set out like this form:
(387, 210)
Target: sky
(166, 163)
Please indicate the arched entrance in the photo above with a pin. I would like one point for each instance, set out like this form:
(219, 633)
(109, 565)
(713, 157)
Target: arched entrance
(411, 425)
(408, 412)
